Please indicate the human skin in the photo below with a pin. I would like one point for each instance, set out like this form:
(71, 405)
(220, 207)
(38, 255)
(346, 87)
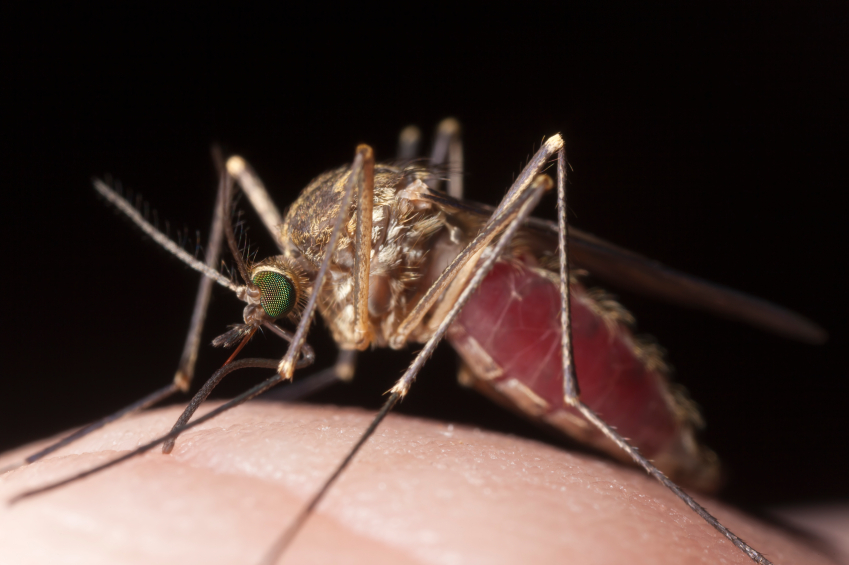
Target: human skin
(419, 492)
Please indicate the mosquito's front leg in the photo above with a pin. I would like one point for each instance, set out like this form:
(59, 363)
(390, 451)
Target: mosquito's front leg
(261, 201)
(186, 367)
(360, 182)
(362, 174)
(343, 368)
(362, 179)
(285, 368)
(362, 244)
(447, 146)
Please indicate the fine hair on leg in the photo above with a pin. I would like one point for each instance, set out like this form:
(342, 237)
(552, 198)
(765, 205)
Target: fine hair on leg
(285, 368)
(186, 367)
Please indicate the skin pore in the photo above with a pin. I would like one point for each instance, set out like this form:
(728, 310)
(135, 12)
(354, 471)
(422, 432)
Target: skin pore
(419, 492)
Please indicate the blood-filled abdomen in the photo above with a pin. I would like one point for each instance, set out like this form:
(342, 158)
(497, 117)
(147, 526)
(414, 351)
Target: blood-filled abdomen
(509, 336)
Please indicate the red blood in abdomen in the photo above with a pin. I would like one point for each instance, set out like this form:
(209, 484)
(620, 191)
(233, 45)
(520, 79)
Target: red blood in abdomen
(515, 317)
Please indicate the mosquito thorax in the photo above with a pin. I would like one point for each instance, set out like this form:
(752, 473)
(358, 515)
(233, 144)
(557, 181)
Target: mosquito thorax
(404, 231)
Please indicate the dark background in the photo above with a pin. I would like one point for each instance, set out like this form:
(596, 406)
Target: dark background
(712, 138)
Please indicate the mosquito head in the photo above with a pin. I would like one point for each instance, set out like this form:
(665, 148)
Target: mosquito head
(277, 288)
(277, 292)
(280, 286)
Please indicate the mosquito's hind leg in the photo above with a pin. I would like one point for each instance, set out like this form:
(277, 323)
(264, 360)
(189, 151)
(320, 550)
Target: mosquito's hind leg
(571, 390)
(408, 143)
(447, 153)
(445, 156)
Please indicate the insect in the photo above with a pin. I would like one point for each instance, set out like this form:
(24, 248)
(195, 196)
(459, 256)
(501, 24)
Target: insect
(389, 259)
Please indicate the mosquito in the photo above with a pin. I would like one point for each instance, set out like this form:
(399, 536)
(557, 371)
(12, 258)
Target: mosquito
(388, 259)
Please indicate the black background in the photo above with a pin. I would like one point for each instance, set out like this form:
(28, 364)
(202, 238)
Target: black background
(712, 138)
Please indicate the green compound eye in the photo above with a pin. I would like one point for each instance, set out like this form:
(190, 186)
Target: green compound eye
(278, 292)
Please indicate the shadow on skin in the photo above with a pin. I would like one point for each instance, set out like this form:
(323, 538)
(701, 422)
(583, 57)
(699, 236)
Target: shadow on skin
(419, 492)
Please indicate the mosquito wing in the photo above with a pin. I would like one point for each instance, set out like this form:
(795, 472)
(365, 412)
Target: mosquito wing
(633, 272)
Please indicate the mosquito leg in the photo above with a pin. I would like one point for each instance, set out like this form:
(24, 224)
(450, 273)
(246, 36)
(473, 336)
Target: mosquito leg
(285, 368)
(137, 406)
(307, 358)
(219, 375)
(570, 383)
(515, 215)
(287, 364)
(242, 398)
(185, 368)
(220, 223)
(448, 147)
(482, 240)
(362, 244)
(512, 217)
(571, 390)
(257, 194)
(623, 444)
(408, 143)
(343, 370)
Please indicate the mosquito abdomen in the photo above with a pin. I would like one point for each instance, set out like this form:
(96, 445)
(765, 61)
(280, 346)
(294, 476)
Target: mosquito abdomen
(509, 335)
